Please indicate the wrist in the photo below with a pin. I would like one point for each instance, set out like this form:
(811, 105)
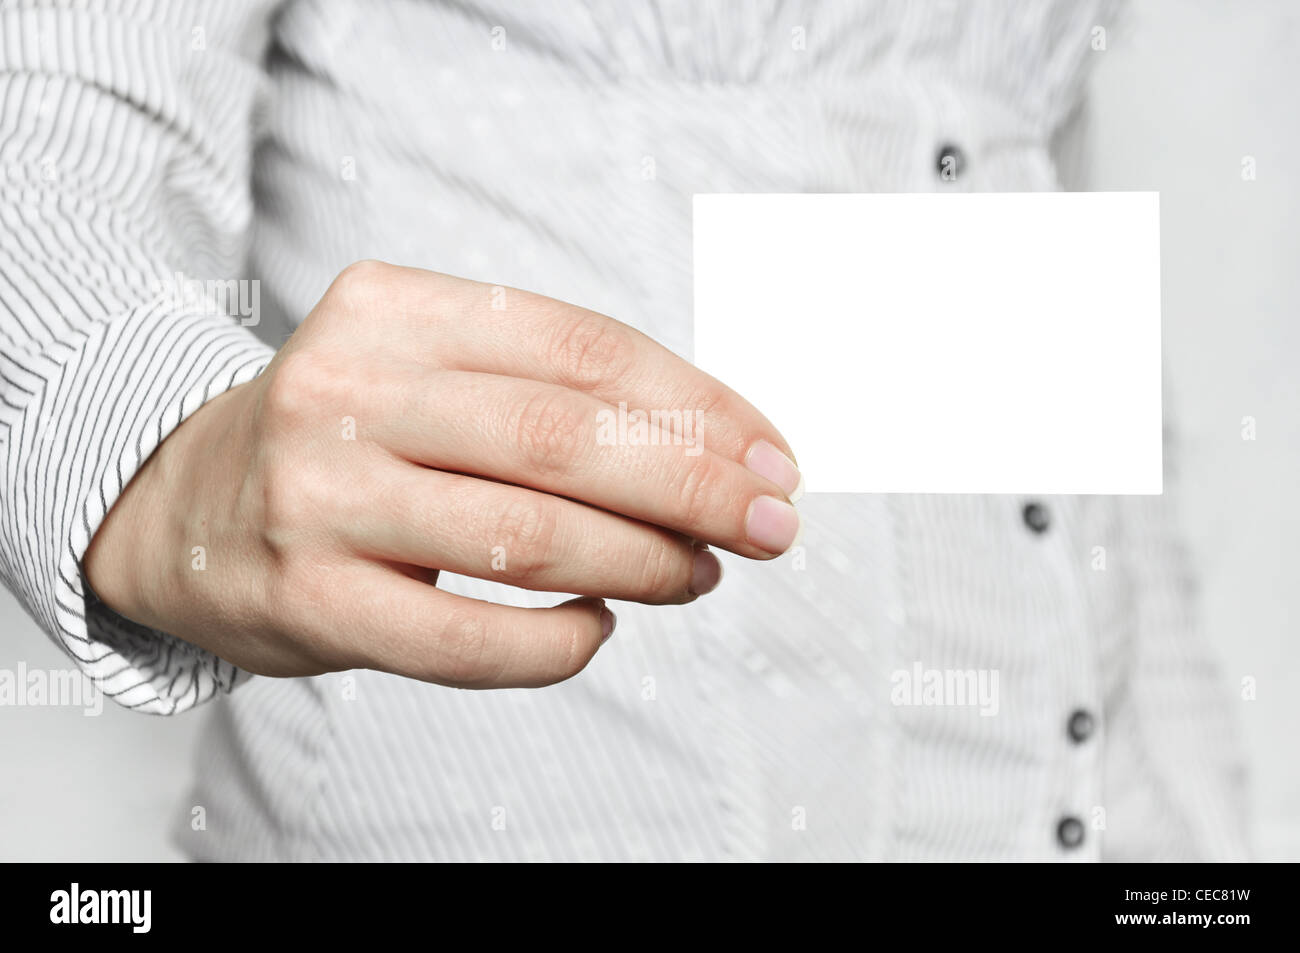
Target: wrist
(142, 559)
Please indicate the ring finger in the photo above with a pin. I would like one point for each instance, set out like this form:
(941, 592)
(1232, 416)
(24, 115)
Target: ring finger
(527, 538)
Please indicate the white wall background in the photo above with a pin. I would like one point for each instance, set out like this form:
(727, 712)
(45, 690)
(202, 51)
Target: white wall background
(1183, 92)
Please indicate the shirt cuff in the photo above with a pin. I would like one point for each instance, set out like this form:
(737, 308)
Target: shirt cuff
(92, 412)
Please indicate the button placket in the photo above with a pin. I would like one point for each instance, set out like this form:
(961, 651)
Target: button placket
(1048, 530)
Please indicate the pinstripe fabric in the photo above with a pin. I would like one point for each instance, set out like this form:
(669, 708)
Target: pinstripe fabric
(556, 147)
(125, 160)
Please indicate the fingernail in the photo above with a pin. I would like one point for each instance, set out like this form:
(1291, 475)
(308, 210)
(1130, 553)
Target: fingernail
(607, 622)
(771, 464)
(772, 524)
(706, 573)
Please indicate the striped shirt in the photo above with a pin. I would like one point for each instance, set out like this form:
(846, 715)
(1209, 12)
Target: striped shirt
(556, 147)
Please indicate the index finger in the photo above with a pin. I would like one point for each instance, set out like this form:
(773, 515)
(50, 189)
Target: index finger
(497, 330)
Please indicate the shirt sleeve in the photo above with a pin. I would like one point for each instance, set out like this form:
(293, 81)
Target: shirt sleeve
(126, 134)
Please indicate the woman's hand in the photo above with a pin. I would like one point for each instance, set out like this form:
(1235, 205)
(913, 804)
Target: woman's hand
(417, 422)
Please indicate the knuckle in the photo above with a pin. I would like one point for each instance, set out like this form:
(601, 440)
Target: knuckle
(710, 405)
(575, 657)
(464, 642)
(696, 489)
(361, 280)
(526, 529)
(569, 649)
(588, 349)
(549, 432)
(664, 574)
(304, 386)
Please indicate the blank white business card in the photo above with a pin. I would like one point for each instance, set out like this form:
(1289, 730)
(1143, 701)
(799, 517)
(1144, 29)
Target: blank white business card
(933, 343)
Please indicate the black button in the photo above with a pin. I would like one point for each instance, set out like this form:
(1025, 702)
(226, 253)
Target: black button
(1081, 725)
(949, 162)
(1070, 832)
(1036, 517)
